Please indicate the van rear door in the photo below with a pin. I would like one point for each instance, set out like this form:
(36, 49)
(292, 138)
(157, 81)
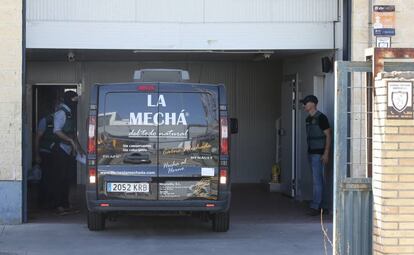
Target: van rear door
(127, 151)
(158, 142)
(188, 150)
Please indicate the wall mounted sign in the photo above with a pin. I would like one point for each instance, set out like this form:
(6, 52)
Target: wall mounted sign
(400, 100)
(383, 20)
(383, 42)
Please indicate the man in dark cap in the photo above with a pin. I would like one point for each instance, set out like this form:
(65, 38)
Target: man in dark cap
(319, 139)
(63, 153)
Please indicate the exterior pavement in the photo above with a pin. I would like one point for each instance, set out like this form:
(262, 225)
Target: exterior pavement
(262, 223)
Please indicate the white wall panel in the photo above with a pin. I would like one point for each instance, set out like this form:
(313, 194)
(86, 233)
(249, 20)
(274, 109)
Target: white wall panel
(169, 11)
(179, 36)
(183, 10)
(181, 25)
(81, 10)
(271, 10)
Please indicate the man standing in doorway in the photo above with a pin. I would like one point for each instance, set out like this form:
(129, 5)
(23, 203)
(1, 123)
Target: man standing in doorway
(319, 139)
(63, 153)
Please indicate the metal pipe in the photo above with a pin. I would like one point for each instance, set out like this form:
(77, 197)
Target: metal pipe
(338, 19)
(370, 38)
(26, 152)
(347, 30)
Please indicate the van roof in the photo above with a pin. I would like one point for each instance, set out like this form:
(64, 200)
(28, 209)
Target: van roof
(169, 83)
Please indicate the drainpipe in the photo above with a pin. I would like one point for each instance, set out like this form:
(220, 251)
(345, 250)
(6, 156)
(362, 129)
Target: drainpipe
(370, 38)
(334, 23)
(24, 133)
(347, 28)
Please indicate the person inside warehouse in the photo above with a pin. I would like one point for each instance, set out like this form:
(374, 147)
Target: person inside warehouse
(44, 143)
(64, 152)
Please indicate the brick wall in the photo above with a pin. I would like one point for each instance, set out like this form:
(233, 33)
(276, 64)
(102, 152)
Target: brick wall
(10, 90)
(393, 179)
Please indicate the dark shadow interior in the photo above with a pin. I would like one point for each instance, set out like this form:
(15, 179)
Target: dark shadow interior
(45, 99)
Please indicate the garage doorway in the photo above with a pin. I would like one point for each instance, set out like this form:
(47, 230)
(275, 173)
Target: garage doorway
(257, 89)
(42, 101)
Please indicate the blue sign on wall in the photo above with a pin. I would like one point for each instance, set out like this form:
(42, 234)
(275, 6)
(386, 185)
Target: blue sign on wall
(384, 31)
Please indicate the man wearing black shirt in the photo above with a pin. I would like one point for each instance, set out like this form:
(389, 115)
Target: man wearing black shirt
(319, 139)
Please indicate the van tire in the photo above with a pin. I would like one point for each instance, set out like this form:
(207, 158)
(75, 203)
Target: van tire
(221, 221)
(96, 221)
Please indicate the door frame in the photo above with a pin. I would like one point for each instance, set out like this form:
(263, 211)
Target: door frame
(27, 134)
(293, 79)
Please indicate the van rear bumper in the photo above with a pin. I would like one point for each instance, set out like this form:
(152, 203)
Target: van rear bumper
(118, 205)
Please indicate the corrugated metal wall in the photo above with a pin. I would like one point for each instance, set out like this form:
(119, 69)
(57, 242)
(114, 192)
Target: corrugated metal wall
(183, 10)
(253, 91)
(271, 10)
(356, 216)
(181, 25)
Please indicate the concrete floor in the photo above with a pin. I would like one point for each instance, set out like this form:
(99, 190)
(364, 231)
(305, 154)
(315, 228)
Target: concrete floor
(261, 223)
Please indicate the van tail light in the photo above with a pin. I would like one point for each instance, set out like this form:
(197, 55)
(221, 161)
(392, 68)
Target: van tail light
(146, 88)
(91, 135)
(92, 175)
(224, 136)
(223, 176)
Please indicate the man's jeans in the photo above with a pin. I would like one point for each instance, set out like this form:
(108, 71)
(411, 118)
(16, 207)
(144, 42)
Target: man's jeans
(318, 173)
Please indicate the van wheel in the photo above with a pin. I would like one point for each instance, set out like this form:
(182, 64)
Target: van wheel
(221, 221)
(96, 221)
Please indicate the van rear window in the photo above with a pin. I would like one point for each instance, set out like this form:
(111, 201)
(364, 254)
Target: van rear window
(149, 128)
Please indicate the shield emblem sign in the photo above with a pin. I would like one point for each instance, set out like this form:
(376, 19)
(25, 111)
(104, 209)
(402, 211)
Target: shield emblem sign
(399, 100)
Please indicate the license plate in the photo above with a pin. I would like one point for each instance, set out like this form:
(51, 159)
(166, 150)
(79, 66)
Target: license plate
(141, 187)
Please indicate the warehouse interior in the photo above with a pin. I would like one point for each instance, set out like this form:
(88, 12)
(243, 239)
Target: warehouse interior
(264, 88)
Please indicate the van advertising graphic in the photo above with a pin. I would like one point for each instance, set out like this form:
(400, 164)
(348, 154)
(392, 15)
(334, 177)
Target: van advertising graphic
(175, 133)
(181, 190)
(158, 118)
